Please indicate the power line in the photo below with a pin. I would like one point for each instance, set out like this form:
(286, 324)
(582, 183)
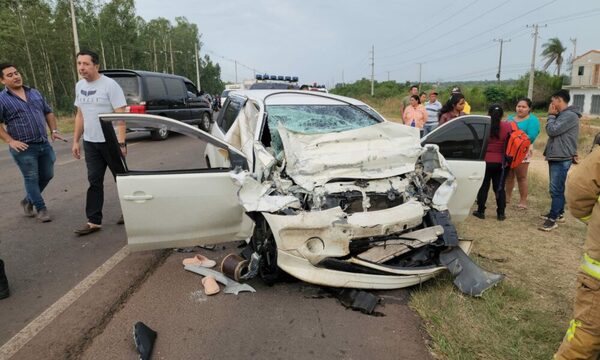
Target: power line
(443, 21)
(447, 33)
(478, 34)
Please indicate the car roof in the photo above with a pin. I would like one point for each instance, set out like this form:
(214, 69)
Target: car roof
(142, 73)
(292, 97)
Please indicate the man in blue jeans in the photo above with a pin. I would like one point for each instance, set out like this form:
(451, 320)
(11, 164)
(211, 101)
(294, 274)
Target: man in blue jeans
(563, 131)
(25, 114)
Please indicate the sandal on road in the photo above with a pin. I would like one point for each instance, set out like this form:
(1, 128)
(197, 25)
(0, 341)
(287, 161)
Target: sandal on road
(87, 229)
(210, 285)
(199, 260)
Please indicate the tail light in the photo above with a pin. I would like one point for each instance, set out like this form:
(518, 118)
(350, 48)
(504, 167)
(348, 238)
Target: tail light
(136, 109)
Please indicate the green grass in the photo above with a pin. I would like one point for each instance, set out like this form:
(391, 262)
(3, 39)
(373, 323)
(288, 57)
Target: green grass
(526, 316)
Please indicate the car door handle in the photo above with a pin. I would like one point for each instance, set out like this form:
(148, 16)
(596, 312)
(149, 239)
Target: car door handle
(137, 197)
(475, 177)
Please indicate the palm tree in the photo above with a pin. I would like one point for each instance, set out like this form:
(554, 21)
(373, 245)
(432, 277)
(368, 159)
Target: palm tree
(553, 50)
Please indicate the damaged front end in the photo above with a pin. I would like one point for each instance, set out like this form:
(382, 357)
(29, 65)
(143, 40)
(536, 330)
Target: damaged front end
(365, 208)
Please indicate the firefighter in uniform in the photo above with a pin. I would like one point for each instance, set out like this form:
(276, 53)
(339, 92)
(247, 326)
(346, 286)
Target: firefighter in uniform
(582, 340)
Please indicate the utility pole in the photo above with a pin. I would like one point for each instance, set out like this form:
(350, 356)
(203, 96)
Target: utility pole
(501, 41)
(74, 24)
(420, 71)
(532, 71)
(197, 65)
(236, 81)
(372, 70)
(574, 41)
(155, 59)
(171, 51)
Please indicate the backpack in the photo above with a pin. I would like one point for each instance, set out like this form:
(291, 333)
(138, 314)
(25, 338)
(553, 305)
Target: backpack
(517, 146)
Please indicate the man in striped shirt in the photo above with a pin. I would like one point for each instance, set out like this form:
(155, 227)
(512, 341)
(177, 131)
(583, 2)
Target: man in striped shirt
(25, 114)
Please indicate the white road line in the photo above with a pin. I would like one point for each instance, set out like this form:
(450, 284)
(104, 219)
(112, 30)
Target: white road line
(44, 319)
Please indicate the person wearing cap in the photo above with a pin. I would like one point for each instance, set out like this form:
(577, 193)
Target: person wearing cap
(433, 107)
(467, 108)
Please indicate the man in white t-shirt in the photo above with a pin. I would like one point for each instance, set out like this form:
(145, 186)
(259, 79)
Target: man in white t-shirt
(433, 107)
(96, 94)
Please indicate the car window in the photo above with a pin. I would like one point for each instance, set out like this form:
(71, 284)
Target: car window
(191, 88)
(156, 88)
(461, 139)
(231, 112)
(371, 111)
(315, 119)
(130, 85)
(175, 88)
(182, 152)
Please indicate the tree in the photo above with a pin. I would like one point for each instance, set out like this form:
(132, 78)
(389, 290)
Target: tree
(553, 50)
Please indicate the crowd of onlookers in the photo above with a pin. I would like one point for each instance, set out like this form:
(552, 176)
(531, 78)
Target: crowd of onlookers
(425, 112)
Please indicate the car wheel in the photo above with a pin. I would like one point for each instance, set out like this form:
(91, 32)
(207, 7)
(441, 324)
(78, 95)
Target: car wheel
(205, 123)
(263, 243)
(160, 134)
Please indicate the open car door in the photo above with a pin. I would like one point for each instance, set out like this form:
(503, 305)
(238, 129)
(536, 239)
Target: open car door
(166, 207)
(463, 142)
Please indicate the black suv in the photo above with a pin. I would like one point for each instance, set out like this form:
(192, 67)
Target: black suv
(172, 96)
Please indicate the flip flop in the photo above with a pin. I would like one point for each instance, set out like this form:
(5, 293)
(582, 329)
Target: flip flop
(199, 260)
(521, 207)
(210, 285)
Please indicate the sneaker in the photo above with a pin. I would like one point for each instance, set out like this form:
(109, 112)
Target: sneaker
(560, 219)
(548, 225)
(479, 214)
(27, 208)
(43, 216)
(501, 217)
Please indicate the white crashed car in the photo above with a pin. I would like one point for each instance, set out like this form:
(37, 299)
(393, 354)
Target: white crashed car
(321, 187)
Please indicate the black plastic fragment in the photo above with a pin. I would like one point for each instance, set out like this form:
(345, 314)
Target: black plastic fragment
(144, 338)
(442, 218)
(468, 276)
(358, 300)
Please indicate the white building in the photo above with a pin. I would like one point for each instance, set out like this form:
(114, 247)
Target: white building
(585, 83)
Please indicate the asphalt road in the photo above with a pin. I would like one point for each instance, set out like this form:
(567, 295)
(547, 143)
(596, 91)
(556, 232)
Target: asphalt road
(45, 261)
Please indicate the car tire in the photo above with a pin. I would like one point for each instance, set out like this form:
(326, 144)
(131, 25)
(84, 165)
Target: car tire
(160, 134)
(263, 242)
(205, 122)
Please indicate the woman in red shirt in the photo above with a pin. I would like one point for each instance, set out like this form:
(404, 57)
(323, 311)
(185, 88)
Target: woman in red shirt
(494, 167)
(453, 108)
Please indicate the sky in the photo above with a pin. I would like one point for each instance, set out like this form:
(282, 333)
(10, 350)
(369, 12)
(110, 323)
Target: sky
(330, 41)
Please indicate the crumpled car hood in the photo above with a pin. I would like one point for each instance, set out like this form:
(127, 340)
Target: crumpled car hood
(378, 151)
